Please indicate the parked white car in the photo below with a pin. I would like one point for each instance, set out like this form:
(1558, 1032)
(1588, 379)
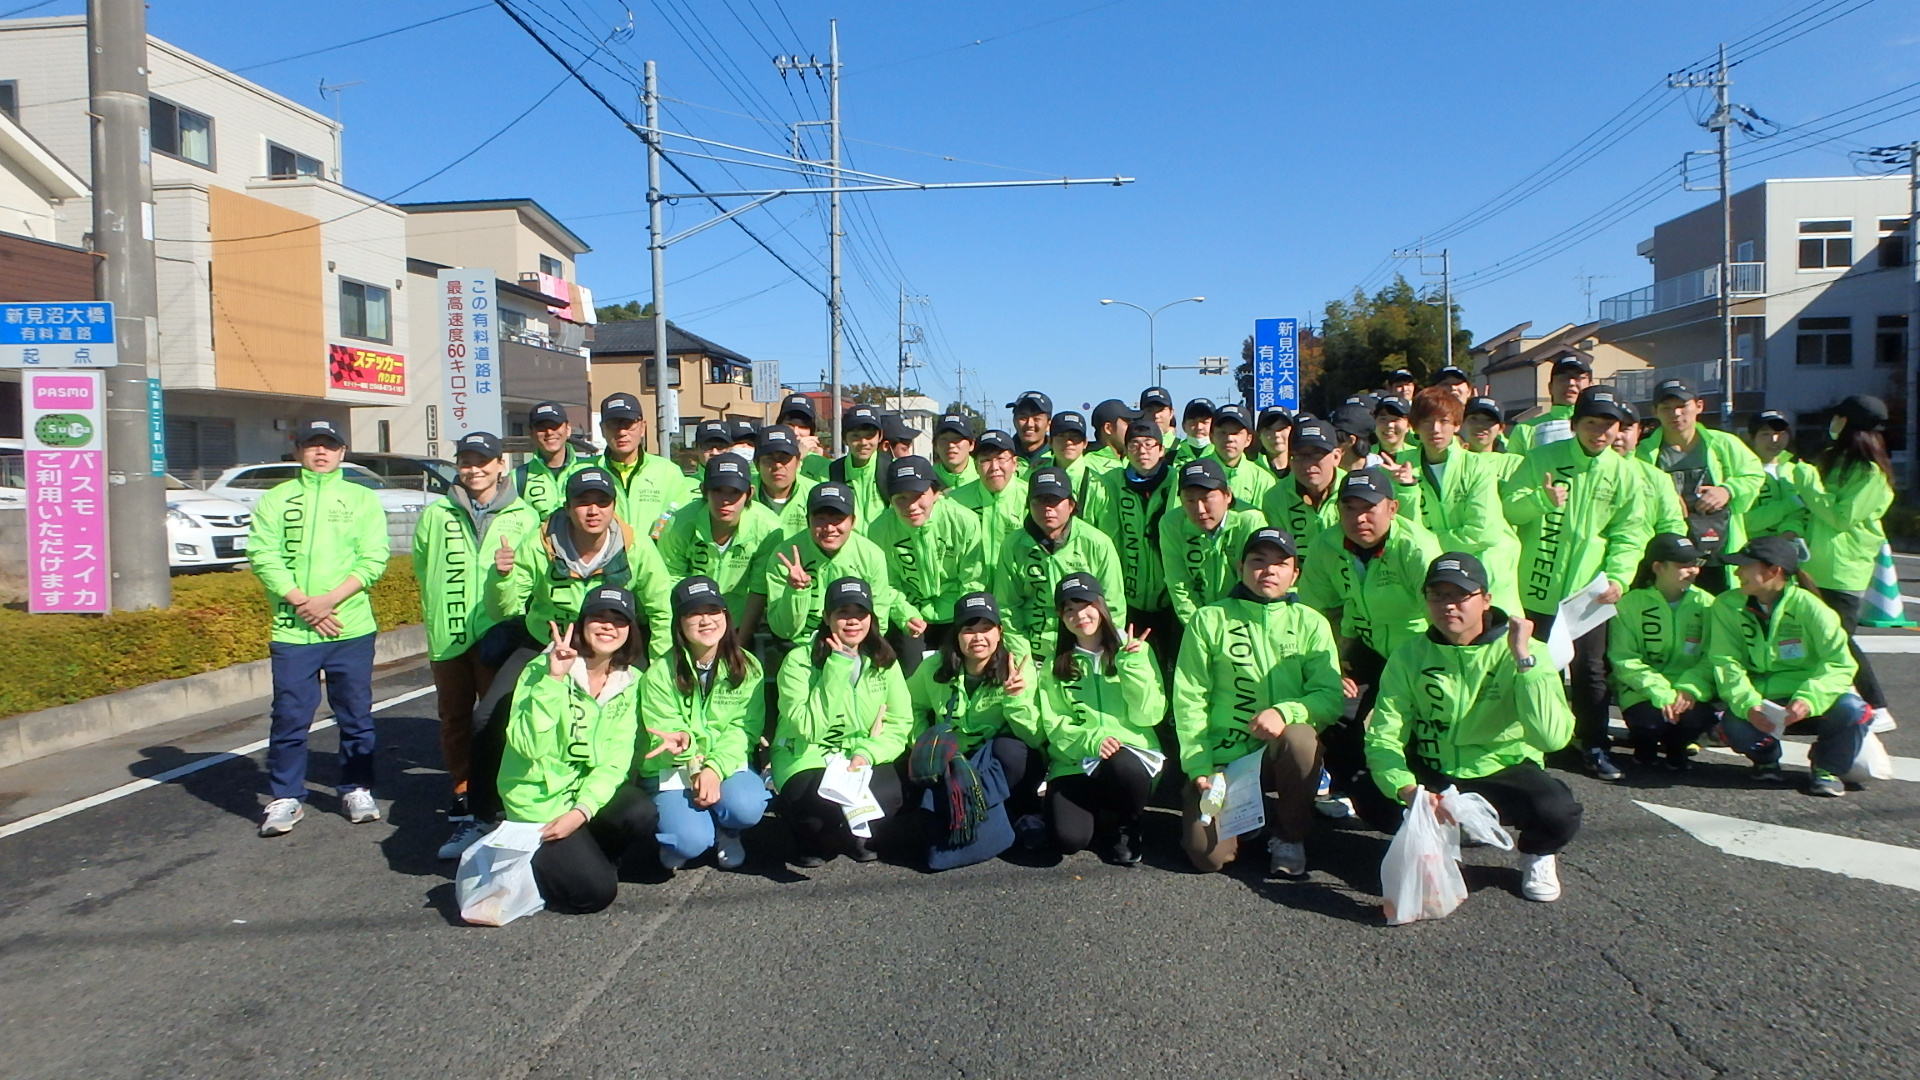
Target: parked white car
(204, 529)
(246, 483)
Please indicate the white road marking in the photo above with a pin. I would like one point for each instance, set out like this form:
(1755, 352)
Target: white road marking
(1794, 753)
(208, 762)
(1888, 643)
(1888, 864)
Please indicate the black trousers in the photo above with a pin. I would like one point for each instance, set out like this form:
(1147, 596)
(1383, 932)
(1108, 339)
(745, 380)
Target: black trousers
(1538, 806)
(1343, 745)
(820, 825)
(490, 716)
(1587, 689)
(1847, 606)
(1653, 734)
(1085, 808)
(581, 874)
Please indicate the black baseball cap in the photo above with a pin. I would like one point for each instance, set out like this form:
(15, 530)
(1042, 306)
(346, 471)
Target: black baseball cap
(1457, 568)
(1449, 374)
(1033, 401)
(1274, 416)
(1572, 363)
(861, 416)
(1354, 417)
(593, 479)
(1373, 485)
(1392, 404)
(1155, 397)
(744, 431)
(894, 428)
(1673, 388)
(1233, 414)
(712, 431)
(1863, 411)
(1204, 472)
(1311, 434)
(1602, 401)
(1068, 423)
(1400, 375)
(727, 471)
(778, 439)
(797, 405)
(311, 430)
(1050, 481)
(1111, 411)
(1486, 406)
(1078, 586)
(697, 593)
(976, 607)
(609, 598)
(842, 592)
(1672, 547)
(484, 443)
(912, 473)
(1772, 418)
(830, 495)
(622, 406)
(953, 424)
(1279, 538)
(1780, 551)
(546, 414)
(1142, 428)
(1197, 407)
(993, 441)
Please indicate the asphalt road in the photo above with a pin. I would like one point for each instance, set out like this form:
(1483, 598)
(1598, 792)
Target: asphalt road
(154, 935)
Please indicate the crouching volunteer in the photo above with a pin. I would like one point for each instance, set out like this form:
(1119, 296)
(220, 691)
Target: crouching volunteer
(453, 548)
(1468, 704)
(1781, 664)
(1099, 702)
(841, 697)
(318, 543)
(974, 708)
(570, 743)
(710, 692)
(1657, 650)
(1258, 672)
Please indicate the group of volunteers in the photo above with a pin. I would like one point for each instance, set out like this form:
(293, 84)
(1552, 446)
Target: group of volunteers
(1008, 642)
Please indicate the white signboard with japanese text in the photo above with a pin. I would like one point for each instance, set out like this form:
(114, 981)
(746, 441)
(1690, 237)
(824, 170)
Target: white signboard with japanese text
(58, 334)
(469, 353)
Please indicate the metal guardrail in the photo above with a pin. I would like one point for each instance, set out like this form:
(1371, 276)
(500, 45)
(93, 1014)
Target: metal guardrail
(1749, 376)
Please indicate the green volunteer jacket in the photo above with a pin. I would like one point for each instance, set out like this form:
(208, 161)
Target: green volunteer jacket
(687, 549)
(1465, 711)
(792, 516)
(565, 750)
(934, 565)
(814, 466)
(1250, 481)
(1523, 437)
(1203, 567)
(648, 492)
(981, 712)
(1380, 600)
(1078, 714)
(794, 614)
(1130, 513)
(311, 533)
(1844, 533)
(541, 589)
(950, 479)
(455, 570)
(1464, 513)
(1105, 459)
(1663, 511)
(1000, 515)
(1799, 652)
(1030, 569)
(1563, 548)
(723, 720)
(544, 488)
(1731, 464)
(868, 501)
(1285, 509)
(824, 710)
(1780, 507)
(1656, 649)
(1243, 655)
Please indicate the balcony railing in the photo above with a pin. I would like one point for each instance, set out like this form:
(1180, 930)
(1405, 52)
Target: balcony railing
(1637, 386)
(1749, 279)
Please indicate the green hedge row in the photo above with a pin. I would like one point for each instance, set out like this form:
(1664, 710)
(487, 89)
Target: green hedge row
(216, 620)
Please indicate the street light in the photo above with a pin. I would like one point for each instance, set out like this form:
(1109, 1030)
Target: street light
(1153, 369)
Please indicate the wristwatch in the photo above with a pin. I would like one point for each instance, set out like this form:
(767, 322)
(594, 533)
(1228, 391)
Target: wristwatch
(1525, 663)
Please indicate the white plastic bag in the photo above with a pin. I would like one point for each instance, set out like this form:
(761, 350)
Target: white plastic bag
(494, 884)
(1476, 817)
(1420, 877)
(1873, 762)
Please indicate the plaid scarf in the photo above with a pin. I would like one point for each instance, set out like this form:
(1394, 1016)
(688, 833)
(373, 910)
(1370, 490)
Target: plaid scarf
(936, 759)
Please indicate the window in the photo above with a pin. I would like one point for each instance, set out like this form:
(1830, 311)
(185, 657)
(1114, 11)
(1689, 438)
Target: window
(285, 164)
(1890, 340)
(181, 133)
(363, 311)
(1743, 251)
(10, 99)
(673, 372)
(1825, 341)
(1895, 237)
(1821, 252)
(264, 477)
(551, 267)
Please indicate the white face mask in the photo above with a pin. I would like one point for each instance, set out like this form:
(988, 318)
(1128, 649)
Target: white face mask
(1836, 426)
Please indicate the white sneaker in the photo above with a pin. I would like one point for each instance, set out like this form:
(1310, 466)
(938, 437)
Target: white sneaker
(1882, 721)
(728, 852)
(359, 806)
(282, 816)
(1288, 858)
(465, 831)
(1540, 878)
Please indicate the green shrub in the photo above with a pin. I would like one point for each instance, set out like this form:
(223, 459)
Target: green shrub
(216, 620)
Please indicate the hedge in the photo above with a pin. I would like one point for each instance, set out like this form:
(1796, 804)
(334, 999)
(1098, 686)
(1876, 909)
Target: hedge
(216, 620)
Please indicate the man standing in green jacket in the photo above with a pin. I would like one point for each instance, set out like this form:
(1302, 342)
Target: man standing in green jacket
(863, 467)
(453, 559)
(1302, 502)
(1128, 504)
(1780, 507)
(1053, 544)
(542, 482)
(783, 482)
(797, 413)
(317, 544)
(830, 548)
(647, 488)
(953, 451)
(1232, 435)
(1716, 476)
(997, 494)
(1571, 375)
(1468, 704)
(1200, 544)
(725, 535)
(932, 546)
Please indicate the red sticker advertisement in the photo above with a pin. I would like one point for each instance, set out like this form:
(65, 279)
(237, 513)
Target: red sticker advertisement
(349, 368)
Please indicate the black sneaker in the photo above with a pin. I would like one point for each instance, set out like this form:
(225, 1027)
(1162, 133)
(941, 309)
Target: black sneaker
(1126, 848)
(1679, 760)
(860, 851)
(1769, 772)
(807, 862)
(1600, 765)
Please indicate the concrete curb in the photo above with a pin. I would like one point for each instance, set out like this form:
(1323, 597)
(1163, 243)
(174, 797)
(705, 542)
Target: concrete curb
(63, 727)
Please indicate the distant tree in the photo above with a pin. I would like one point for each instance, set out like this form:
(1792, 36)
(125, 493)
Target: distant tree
(628, 312)
(1365, 337)
(972, 414)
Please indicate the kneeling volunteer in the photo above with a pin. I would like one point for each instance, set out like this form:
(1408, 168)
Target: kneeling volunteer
(706, 701)
(1773, 640)
(842, 694)
(1099, 702)
(1259, 672)
(1468, 704)
(569, 746)
(1657, 650)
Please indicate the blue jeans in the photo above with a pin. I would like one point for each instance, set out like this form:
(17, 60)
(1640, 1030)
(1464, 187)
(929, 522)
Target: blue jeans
(1837, 734)
(348, 665)
(688, 831)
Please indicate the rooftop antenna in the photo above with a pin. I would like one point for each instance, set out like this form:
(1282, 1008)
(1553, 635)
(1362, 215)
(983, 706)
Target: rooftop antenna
(334, 89)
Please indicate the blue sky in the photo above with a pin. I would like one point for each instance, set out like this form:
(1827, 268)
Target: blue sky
(1281, 150)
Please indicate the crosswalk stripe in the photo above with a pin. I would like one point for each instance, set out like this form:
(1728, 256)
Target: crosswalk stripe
(1888, 864)
(1793, 753)
(1888, 643)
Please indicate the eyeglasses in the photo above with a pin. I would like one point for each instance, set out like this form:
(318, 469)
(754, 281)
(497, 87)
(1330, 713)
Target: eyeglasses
(1454, 601)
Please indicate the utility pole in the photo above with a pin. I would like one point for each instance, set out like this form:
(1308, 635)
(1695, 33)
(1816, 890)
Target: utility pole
(834, 298)
(906, 354)
(1445, 255)
(665, 407)
(1586, 281)
(123, 234)
(1721, 124)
